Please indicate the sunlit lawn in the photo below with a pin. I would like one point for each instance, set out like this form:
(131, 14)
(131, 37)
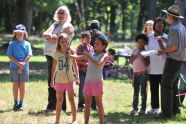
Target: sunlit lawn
(117, 101)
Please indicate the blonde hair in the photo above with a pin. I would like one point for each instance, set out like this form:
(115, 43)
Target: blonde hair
(65, 8)
(145, 28)
(25, 35)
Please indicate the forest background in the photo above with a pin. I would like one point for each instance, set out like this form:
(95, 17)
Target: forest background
(121, 20)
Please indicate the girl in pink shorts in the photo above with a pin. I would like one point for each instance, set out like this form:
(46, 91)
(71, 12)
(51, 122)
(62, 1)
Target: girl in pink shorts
(62, 76)
(93, 81)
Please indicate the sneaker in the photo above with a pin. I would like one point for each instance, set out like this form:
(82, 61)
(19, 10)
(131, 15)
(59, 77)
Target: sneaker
(19, 107)
(80, 109)
(15, 107)
(142, 112)
(74, 122)
(153, 111)
(133, 112)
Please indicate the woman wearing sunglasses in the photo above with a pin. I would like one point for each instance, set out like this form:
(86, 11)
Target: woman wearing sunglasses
(61, 25)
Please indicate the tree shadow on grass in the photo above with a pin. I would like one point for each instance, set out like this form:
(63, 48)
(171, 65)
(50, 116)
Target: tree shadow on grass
(44, 113)
(7, 110)
(125, 118)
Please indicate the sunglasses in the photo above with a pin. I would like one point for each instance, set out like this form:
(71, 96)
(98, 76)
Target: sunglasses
(61, 13)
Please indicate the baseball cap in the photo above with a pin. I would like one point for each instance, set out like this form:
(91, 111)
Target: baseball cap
(20, 28)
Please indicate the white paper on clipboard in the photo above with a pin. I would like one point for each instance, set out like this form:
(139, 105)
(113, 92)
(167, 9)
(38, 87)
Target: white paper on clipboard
(149, 52)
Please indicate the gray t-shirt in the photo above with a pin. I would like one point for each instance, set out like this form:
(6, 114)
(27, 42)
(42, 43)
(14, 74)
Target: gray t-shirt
(94, 73)
(177, 38)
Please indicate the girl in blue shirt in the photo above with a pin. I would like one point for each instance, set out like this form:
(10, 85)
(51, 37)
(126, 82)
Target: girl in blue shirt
(19, 52)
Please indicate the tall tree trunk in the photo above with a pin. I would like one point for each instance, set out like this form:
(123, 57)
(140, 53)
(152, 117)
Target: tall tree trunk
(8, 18)
(38, 22)
(24, 14)
(151, 9)
(124, 18)
(112, 18)
(182, 6)
(141, 16)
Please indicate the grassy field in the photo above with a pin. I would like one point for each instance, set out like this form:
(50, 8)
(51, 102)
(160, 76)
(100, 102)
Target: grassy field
(117, 97)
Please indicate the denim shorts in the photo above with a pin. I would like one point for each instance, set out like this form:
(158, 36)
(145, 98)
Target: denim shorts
(19, 77)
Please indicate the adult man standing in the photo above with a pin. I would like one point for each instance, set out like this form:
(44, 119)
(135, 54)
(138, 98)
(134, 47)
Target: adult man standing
(174, 58)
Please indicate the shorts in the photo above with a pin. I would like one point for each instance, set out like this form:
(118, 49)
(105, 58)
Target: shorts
(93, 88)
(19, 77)
(64, 86)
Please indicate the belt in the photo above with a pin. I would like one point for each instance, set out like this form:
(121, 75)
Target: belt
(141, 72)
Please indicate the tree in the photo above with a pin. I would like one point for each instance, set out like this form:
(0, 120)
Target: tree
(24, 14)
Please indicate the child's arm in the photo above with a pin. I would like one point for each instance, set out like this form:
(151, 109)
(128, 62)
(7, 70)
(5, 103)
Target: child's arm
(26, 60)
(82, 63)
(76, 71)
(20, 64)
(77, 57)
(132, 58)
(53, 72)
(97, 63)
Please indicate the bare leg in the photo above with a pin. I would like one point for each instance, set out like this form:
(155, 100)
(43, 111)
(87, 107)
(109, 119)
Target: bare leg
(15, 90)
(88, 101)
(59, 96)
(72, 104)
(100, 108)
(22, 90)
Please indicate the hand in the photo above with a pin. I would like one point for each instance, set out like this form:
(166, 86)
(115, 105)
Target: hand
(86, 56)
(139, 54)
(52, 84)
(21, 64)
(54, 36)
(156, 38)
(67, 56)
(77, 83)
(19, 70)
(160, 53)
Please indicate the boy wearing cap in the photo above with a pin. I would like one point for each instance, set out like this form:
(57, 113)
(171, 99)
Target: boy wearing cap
(19, 52)
(174, 58)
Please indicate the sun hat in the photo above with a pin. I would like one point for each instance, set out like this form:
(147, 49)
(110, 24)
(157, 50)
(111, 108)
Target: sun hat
(173, 10)
(20, 28)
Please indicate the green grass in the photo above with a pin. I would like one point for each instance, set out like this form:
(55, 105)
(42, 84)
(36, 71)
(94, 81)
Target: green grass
(117, 101)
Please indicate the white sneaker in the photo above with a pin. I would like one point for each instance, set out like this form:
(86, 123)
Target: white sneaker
(74, 122)
(153, 111)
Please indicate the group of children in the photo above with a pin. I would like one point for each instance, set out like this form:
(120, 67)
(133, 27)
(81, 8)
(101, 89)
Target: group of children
(65, 62)
(86, 62)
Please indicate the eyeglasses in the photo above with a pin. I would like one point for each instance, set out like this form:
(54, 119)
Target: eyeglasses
(61, 13)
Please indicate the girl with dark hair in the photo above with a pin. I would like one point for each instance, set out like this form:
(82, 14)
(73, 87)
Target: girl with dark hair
(94, 79)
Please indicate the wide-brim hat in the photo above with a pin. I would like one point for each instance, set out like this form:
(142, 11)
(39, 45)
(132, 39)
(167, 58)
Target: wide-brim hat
(20, 28)
(173, 10)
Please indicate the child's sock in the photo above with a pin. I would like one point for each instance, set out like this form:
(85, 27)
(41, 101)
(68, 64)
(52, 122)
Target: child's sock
(21, 102)
(15, 102)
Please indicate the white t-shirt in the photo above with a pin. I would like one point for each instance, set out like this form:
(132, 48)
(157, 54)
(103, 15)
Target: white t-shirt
(156, 62)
